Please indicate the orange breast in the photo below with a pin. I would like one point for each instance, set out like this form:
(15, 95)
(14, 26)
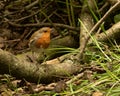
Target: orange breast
(43, 41)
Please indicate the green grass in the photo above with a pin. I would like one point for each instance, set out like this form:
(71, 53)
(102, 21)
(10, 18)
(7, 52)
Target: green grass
(107, 82)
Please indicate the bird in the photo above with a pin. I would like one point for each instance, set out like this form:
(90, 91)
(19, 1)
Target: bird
(40, 40)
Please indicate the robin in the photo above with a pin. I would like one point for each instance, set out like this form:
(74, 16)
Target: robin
(40, 40)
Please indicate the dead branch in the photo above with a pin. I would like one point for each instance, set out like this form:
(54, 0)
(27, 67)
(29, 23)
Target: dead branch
(19, 68)
(44, 24)
(96, 27)
(31, 5)
(112, 2)
(111, 33)
(86, 25)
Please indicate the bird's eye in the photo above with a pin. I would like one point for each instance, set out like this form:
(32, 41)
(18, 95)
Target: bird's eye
(45, 30)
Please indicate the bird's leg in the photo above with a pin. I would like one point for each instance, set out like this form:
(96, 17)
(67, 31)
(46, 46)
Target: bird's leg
(34, 57)
(45, 57)
(42, 56)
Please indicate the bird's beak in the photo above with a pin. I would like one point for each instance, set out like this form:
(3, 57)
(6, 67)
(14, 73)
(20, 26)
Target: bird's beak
(52, 30)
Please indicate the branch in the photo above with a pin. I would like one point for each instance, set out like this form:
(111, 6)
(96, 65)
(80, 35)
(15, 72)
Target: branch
(79, 56)
(86, 24)
(19, 68)
(31, 5)
(111, 33)
(43, 24)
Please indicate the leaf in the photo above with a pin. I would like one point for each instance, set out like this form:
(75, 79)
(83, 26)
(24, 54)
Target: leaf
(117, 18)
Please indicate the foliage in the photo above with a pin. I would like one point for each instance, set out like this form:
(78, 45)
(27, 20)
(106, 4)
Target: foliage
(101, 69)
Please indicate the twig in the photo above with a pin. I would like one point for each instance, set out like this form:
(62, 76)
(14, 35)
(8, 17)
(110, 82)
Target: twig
(23, 18)
(7, 41)
(44, 24)
(75, 78)
(103, 7)
(49, 16)
(31, 5)
(60, 17)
